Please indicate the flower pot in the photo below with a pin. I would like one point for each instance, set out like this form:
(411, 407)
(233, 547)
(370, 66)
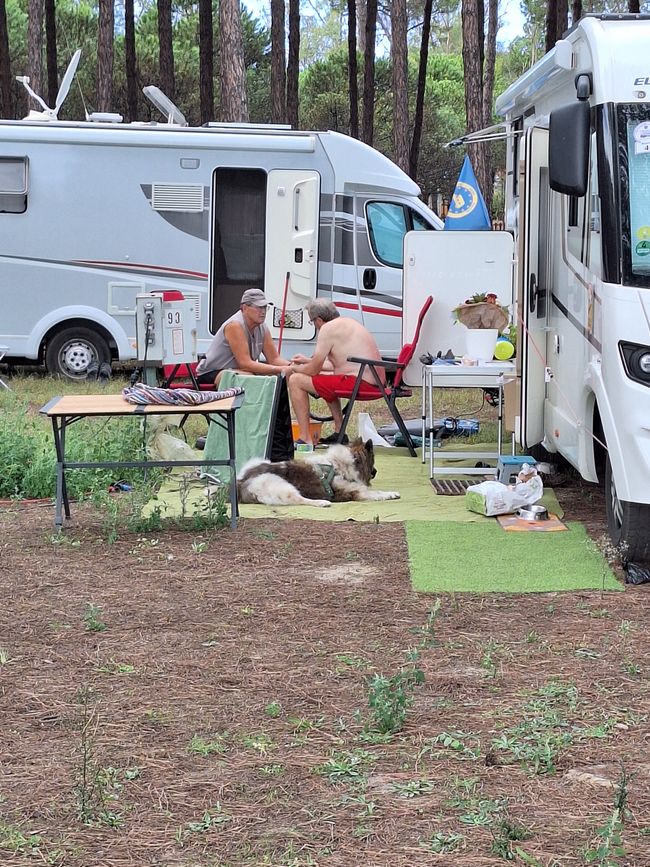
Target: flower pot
(480, 343)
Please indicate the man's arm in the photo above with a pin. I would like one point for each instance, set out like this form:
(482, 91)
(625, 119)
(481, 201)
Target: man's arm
(234, 334)
(271, 354)
(314, 365)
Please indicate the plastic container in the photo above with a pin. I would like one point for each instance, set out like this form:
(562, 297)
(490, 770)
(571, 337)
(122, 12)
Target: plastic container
(481, 343)
(315, 428)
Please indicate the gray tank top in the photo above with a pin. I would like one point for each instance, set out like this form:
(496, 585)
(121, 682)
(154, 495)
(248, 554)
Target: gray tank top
(219, 355)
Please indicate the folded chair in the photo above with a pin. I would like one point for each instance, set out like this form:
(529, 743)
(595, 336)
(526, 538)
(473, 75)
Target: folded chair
(394, 388)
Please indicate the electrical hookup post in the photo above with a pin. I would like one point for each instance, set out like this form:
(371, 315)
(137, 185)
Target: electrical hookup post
(165, 332)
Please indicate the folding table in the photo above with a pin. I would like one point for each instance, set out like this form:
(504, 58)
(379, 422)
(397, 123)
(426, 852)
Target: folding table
(64, 411)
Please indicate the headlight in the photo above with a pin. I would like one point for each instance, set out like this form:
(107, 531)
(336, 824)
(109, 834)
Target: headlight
(636, 359)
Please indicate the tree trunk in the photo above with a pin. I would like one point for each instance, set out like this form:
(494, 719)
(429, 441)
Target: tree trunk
(165, 48)
(278, 63)
(576, 11)
(368, 125)
(551, 24)
(50, 52)
(206, 62)
(35, 47)
(400, 84)
(353, 70)
(361, 27)
(562, 18)
(234, 104)
(105, 55)
(293, 63)
(490, 59)
(419, 97)
(6, 109)
(474, 90)
(131, 63)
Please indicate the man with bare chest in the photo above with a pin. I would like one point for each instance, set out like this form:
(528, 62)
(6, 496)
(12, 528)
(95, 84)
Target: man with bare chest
(328, 369)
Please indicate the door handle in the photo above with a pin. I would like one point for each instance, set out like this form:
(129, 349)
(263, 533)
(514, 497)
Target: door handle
(533, 293)
(369, 279)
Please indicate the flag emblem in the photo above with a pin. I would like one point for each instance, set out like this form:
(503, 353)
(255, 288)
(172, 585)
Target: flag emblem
(467, 209)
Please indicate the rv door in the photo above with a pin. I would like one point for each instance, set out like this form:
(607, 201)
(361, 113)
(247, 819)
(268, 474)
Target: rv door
(533, 290)
(292, 217)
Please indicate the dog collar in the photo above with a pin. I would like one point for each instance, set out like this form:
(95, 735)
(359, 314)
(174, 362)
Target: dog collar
(326, 475)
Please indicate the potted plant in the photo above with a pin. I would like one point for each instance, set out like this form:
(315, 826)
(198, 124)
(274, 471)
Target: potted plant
(484, 319)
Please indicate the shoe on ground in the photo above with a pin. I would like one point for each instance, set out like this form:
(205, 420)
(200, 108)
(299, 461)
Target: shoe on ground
(105, 373)
(302, 446)
(332, 439)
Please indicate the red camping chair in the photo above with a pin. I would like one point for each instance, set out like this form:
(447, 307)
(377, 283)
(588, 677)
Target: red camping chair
(181, 375)
(394, 387)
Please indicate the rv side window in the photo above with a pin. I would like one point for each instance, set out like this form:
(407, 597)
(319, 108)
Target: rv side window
(13, 185)
(388, 222)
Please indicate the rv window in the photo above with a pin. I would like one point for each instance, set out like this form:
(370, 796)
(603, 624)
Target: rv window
(13, 185)
(388, 222)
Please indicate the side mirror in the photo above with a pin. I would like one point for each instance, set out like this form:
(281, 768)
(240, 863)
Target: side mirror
(568, 149)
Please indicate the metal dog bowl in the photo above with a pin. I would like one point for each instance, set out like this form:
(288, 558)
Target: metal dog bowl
(532, 513)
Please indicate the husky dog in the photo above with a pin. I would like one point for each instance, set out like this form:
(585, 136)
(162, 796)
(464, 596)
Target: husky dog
(340, 474)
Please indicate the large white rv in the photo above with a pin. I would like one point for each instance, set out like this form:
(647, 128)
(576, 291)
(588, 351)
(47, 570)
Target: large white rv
(577, 128)
(94, 213)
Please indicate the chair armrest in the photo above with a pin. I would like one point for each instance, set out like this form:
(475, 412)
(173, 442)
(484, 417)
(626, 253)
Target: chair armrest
(374, 362)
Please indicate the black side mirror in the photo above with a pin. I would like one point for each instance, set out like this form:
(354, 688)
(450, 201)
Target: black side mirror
(568, 149)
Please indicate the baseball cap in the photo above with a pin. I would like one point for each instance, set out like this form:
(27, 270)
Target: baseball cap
(254, 297)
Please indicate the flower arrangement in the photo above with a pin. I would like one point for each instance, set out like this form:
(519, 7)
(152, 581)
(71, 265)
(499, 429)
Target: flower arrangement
(482, 310)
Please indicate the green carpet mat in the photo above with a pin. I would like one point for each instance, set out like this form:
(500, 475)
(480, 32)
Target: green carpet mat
(396, 471)
(448, 557)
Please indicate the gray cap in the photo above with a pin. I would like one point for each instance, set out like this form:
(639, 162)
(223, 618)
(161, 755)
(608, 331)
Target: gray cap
(255, 297)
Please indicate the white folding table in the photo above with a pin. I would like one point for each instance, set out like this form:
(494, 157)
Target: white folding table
(491, 374)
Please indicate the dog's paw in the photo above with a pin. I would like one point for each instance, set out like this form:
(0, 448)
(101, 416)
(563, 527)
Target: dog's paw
(322, 504)
(391, 495)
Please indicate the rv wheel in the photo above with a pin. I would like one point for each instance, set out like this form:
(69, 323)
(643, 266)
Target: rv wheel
(628, 523)
(70, 352)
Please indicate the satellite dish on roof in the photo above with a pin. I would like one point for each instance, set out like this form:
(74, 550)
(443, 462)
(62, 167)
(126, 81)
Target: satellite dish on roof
(164, 105)
(52, 113)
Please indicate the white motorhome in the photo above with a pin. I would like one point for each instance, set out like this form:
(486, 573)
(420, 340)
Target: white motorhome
(94, 213)
(577, 129)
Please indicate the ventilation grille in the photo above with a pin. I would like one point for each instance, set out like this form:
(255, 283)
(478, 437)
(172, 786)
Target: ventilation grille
(454, 487)
(292, 318)
(177, 197)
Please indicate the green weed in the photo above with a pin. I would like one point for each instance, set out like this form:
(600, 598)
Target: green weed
(441, 842)
(389, 698)
(273, 709)
(203, 747)
(93, 618)
(345, 765)
(609, 848)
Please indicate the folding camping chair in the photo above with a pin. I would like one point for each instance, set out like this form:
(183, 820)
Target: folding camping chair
(394, 387)
(3, 352)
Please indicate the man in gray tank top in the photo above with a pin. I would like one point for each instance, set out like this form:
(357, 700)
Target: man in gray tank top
(241, 341)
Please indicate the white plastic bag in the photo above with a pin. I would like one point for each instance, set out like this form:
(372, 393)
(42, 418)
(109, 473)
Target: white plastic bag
(368, 431)
(495, 498)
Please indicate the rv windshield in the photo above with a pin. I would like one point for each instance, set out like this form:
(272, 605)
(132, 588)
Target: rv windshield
(634, 190)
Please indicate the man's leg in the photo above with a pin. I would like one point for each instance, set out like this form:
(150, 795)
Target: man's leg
(300, 390)
(337, 414)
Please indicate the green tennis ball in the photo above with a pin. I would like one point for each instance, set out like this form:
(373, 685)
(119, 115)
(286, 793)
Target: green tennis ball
(504, 349)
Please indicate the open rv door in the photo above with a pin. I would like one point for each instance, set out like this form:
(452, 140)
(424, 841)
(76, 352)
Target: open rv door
(292, 218)
(532, 290)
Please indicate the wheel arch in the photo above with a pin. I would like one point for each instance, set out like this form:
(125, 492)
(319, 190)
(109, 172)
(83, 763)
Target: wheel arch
(69, 317)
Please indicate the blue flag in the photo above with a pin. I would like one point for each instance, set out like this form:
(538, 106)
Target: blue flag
(467, 209)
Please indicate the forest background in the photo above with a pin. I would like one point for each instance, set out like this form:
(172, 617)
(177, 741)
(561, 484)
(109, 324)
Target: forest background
(405, 76)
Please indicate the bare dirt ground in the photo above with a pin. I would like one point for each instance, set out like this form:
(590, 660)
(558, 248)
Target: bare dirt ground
(203, 699)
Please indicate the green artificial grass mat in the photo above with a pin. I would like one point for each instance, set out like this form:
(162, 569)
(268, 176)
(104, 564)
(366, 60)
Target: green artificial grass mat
(396, 471)
(451, 557)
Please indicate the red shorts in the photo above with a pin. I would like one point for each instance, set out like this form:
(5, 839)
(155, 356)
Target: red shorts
(329, 386)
